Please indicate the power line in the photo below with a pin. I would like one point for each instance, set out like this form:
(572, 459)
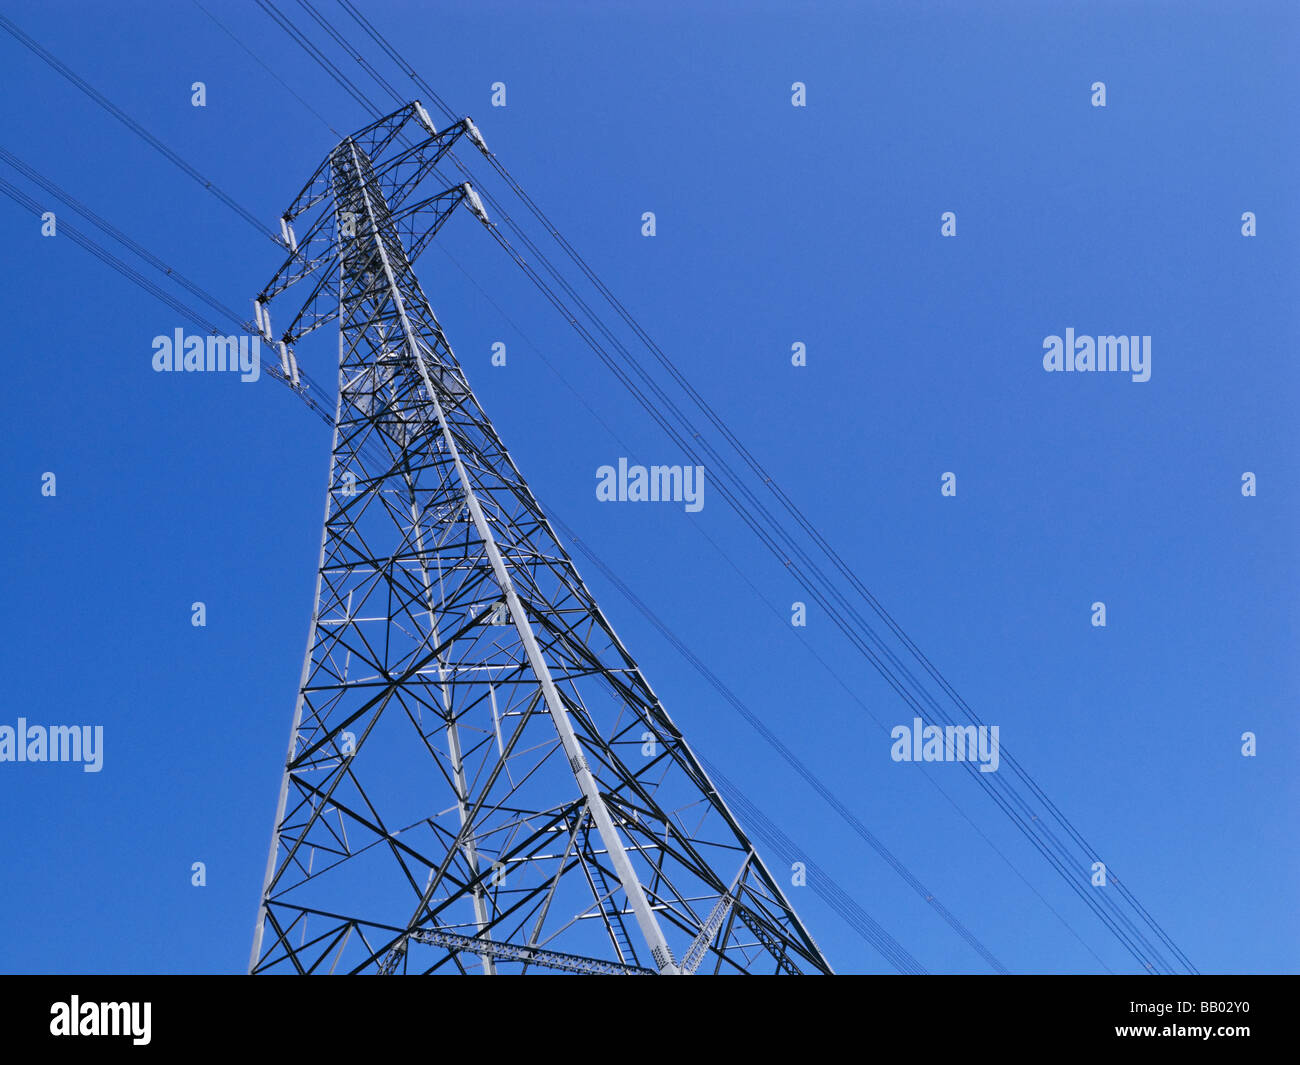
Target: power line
(133, 126)
(260, 62)
(1052, 847)
(309, 390)
(1011, 803)
(857, 918)
(37, 178)
(586, 550)
(795, 763)
(744, 493)
(823, 885)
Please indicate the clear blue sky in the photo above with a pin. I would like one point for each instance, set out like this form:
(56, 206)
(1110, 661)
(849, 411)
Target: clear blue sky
(775, 224)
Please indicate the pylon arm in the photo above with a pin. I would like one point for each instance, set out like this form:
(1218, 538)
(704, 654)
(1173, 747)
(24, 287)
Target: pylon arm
(397, 176)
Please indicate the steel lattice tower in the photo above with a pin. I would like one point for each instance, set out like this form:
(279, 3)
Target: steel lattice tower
(479, 777)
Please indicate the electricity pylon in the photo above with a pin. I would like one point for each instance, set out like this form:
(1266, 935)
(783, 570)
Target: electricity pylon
(479, 778)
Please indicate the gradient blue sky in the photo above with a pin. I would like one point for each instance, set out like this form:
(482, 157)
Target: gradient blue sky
(775, 224)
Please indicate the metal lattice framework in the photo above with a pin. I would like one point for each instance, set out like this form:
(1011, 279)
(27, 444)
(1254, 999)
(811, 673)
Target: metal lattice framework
(479, 777)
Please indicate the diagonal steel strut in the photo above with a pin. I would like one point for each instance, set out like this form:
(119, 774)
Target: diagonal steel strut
(645, 917)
